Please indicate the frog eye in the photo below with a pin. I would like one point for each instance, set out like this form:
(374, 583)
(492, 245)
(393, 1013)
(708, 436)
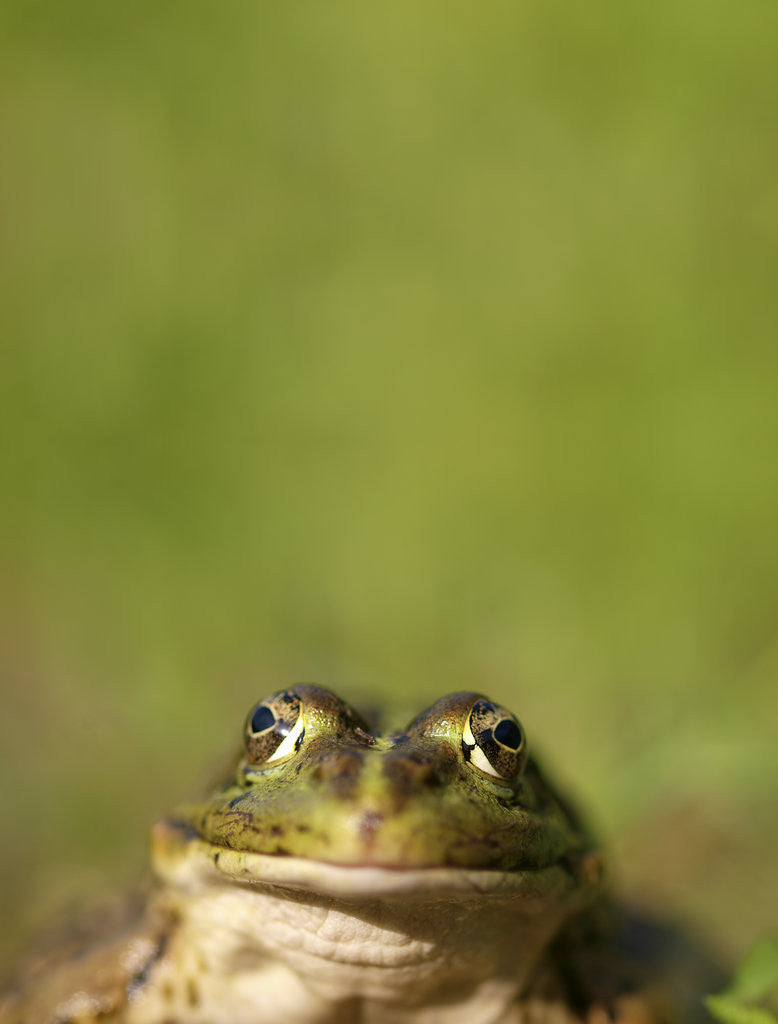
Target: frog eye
(493, 742)
(274, 729)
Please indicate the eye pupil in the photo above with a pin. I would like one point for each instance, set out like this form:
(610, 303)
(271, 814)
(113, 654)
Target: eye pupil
(508, 734)
(263, 718)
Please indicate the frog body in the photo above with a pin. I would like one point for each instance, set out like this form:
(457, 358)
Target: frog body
(428, 875)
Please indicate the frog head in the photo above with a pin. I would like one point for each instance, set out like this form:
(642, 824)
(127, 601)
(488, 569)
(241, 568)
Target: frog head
(454, 792)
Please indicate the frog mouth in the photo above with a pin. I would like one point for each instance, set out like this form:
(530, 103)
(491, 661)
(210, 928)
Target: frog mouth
(366, 880)
(184, 859)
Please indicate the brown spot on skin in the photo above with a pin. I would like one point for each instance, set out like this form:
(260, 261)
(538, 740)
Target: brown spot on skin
(369, 824)
(244, 817)
(192, 992)
(167, 992)
(340, 770)
(139, 979)
(410, 772)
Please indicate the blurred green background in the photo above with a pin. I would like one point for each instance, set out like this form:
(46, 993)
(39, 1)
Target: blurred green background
(403, 348)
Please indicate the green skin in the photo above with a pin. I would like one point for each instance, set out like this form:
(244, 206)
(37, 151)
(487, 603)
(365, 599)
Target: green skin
(407, 800)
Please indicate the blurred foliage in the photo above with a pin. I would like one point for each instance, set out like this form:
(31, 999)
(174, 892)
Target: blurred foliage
(755, 981)
(402, 348)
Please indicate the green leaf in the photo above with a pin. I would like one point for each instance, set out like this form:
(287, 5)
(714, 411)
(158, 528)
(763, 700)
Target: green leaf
(730, 1011)
(754, 980)
(757, 975)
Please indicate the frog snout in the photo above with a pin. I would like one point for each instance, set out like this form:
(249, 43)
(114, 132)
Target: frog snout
(409, 773)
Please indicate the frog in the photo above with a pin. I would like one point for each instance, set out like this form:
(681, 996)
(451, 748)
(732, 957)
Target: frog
(340, 874)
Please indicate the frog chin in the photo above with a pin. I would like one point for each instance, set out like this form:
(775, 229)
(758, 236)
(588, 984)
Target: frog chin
(399, 937)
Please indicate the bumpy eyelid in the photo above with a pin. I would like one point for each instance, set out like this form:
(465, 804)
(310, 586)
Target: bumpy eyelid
(443, 719)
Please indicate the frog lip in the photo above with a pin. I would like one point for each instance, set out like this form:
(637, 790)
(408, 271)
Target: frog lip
(184, 859)
(341, 879)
